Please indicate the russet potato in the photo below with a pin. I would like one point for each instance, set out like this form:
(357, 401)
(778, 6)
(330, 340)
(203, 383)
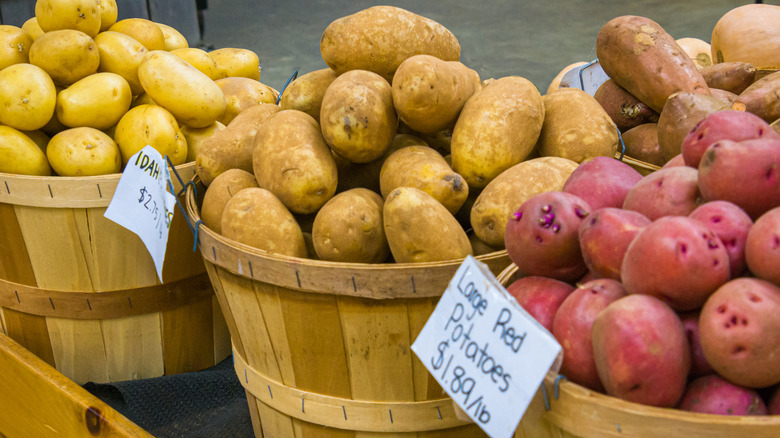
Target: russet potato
(219, 193)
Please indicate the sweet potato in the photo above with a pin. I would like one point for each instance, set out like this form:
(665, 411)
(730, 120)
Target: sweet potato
(729, 76)
(642, 143)
(680, 114)
(623, 107)
(762, 98)
(645, 60)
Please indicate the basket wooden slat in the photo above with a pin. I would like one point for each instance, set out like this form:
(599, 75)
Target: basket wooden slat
(578, 412)
(337, 333)
(59, 240)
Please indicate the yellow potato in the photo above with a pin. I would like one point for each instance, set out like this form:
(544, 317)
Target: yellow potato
(419, 229)
(305, 93)
(199, 59)
(66, 55)
(14, 45)
(241, 93)
(192, 97)
(142, 99)
(20, 155)
(81, 15)
(255, 217)
(83, 151)
(27, 97)
(358, 119)
(121, 54)
(150, 125)
(144, 31)
(234, 62)
(39, 137)
(108, 13)
(173, 38)
(349, 228)
(32, 28)
(196, 136)
(97, 101)
(54, 125)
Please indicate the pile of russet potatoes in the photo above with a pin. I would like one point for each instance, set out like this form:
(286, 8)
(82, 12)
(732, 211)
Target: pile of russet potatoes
(398, 152)
(664, 289)
(81, 92)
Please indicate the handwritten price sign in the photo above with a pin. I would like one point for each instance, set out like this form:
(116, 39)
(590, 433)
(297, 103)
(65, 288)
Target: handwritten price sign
(142, 204)
(485, 350)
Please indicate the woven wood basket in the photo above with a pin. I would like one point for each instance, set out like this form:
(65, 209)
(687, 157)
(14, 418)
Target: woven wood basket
(323, 348)
(577, 412)
(82, 293)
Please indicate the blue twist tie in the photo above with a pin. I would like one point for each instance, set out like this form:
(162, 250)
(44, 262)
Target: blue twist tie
(557, 384)
(546, 398)
(196, 233)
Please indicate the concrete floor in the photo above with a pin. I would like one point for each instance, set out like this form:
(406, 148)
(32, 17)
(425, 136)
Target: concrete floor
(533, 39)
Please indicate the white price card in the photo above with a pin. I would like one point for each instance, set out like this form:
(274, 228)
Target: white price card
(142, 204)
(487, 353)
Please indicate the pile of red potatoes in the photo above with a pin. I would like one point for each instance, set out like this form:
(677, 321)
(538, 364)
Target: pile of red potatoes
(677, 273)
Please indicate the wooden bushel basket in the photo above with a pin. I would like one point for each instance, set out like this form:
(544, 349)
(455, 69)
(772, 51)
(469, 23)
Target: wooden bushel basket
(82, 293)
(323, 348)
(577, 412)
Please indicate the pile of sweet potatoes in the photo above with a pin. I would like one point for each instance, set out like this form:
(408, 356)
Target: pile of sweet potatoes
(657, 91)
(664, 289)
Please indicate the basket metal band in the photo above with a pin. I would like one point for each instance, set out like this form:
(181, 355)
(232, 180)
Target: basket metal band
(348, 414)
(104, 304)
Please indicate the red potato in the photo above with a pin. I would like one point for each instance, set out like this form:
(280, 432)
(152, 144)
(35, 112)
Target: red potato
(605, 236)
(572, 329)
(714, 395)
(645, 60)
(762, 247)
(540, 297)
(680, 114)
(746, 173)
(723, 125)
(622, 107)
(666, 192)
(542, 236)
(740, 332)
(602, 182)
(676, 161)
(641, 352)
(699, 365)
(731, 224)
(676, 259)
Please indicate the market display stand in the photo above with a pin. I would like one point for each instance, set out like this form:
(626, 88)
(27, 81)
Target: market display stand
(180, 14)
(36, 400)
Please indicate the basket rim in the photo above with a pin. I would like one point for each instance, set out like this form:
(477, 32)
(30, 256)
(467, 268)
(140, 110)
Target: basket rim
(69, 191)
(245, 254)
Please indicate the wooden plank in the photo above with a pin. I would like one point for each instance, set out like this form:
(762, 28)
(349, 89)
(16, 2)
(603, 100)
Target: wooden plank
(221, 333)
(58, 259)
(188, 339)
(131, 9)
(119, 261)
(252, 330)
(378, 349)
(37, 401)
(16, 12)
(425, 386)
(182, 15)
(15, 265)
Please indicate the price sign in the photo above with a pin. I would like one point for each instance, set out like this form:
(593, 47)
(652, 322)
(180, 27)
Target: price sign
(487, 353)
(142, 204)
